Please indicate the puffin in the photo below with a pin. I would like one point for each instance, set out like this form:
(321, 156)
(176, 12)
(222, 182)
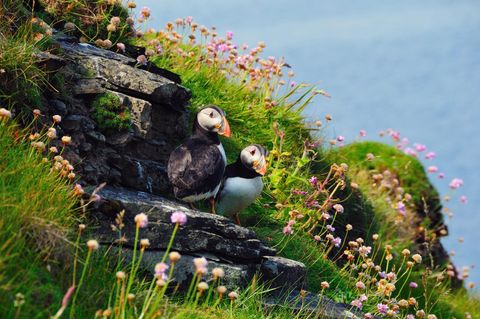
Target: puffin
(196, 167)
(242, 181)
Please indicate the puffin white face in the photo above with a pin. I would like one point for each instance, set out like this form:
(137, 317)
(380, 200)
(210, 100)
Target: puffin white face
(212, 120)
(253, 156)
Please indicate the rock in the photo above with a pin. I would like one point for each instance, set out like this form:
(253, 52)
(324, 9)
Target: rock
(204, 232)
(117, 74)
(141, 111)
(276, 271)
(96, 136)
(236, 275)
(136, 157)
(58, 107)
(312, 305)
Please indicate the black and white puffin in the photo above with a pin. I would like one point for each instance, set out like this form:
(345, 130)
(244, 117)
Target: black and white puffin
(196, 167)
(242, 181)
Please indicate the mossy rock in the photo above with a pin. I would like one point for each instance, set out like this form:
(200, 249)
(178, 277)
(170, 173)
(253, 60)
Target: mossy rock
(110, 113)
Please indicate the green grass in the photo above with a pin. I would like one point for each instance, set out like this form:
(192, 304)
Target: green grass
(36, 216)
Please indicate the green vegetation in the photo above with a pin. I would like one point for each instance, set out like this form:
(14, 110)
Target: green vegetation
(373, 202)
(36, 207)
(110, 113)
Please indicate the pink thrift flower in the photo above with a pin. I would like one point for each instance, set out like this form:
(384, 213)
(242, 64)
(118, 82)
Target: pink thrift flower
(337, 241)
(160, 270)
(420, 147)
(395, 135)
(382, 308)
(441, 175)
(142, 60)
(229, 35)
(410, 151)
(179, 217)
(121, 47)
(401, 208)
(145, 12)
(463, 199)
(363, 133)
(338, 208)
(432, 169)
(430, 155)
(456, 183)
(141, 220)
(340, 138)
(292, 84)
(189, 20)
(413, 285)
(313, 180)
(287, 230)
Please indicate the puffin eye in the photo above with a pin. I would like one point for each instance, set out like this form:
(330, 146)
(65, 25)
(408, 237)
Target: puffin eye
(211, 114)
(252, 152)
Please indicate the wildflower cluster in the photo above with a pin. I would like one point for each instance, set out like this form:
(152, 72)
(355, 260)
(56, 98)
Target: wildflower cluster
(204, 288)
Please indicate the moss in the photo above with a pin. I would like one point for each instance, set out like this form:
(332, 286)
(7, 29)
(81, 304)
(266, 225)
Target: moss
(110, 113)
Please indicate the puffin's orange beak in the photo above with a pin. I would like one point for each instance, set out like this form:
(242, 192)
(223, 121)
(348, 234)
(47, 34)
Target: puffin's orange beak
(262, 167)
(226, 128)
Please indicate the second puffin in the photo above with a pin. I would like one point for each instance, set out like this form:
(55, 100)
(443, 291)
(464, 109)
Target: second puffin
(242, 182)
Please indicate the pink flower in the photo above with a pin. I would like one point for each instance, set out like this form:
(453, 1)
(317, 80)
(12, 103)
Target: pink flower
(368, 315)
(441, 175)
(142, 60)
(430, 155)
(432, 169)
(317, 238)
(382, 308)
(179, 217)
(463, 199)
(401, 208)
(340, 138)
(287, 230)
(456, 183)
(313, 180)
(121, 47)
(410, 151)
(145, 12)
(420, 147)
(338, 208)
(189, 20)
(337, 241)
(292, 84)
(330, 228)
(229, 35)
(160, 270)
(363, 133)
(395, 135)
(141, 220)
(413, 285)
(357, 303)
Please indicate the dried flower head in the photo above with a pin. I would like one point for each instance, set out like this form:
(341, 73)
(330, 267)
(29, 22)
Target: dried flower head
(141, 220)
(174, 257)
(144, 243)
(92, 245)
(218, 273)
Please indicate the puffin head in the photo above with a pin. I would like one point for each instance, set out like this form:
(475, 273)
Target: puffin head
(212, 119)
(253, 157)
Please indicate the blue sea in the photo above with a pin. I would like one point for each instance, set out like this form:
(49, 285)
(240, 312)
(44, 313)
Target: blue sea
(413, 66)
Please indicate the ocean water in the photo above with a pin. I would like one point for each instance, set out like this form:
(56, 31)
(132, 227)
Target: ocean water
(413, 66)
